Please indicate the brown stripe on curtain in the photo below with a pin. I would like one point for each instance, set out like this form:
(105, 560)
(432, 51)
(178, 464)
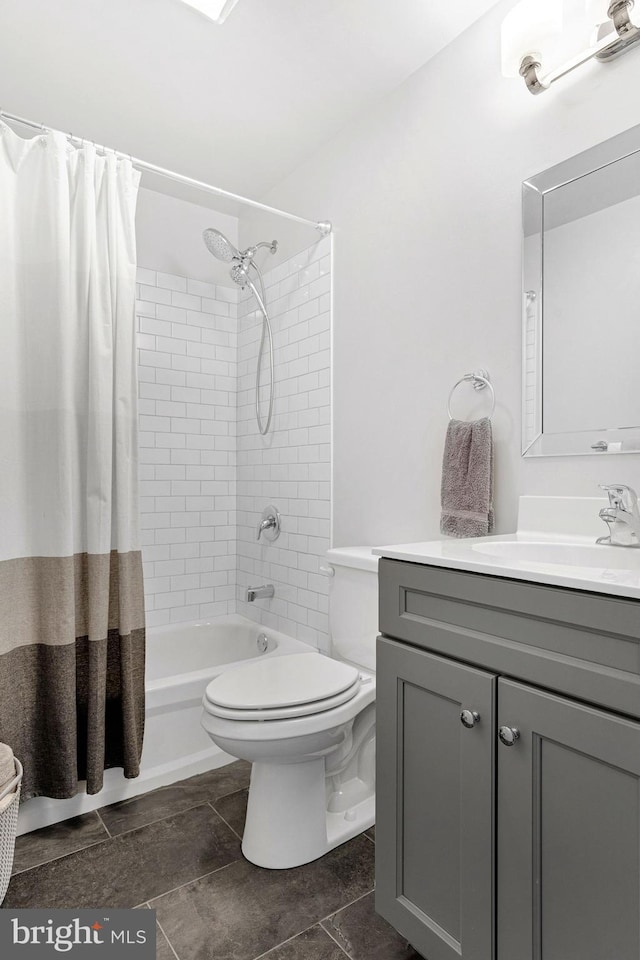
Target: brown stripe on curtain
(72, 656)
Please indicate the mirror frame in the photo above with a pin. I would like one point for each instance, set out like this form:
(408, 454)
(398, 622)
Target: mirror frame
(535, 443)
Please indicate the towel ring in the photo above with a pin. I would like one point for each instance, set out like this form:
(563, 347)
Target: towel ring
(480, 379)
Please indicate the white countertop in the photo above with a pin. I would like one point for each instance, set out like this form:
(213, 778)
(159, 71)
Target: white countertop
(564, 559)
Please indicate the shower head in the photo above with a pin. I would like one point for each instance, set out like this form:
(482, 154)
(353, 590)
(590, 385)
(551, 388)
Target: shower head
(219, 246)
(239, 274)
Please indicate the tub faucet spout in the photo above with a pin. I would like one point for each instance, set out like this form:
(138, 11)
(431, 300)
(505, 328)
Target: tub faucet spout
(265, 592)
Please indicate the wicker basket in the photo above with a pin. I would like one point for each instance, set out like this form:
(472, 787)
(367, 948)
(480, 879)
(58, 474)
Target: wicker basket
(8, 825)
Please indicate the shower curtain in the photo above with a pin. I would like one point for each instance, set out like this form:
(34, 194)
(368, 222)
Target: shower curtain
(71, 593)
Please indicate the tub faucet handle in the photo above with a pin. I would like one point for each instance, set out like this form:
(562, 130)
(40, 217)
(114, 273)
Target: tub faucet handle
(269, 524)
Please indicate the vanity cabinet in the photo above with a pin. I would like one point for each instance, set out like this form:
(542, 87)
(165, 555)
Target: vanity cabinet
(435, 857)
(508, 798)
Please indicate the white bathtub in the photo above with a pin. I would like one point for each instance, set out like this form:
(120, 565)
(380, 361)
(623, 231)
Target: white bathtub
(181, 660)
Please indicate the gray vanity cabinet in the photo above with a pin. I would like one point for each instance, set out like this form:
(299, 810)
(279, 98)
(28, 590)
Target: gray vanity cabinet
(513, 835)
(568, 836)
(437, 885)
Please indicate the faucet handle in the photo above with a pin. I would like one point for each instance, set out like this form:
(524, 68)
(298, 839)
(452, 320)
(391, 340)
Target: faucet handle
(621, 496)
(269, 524)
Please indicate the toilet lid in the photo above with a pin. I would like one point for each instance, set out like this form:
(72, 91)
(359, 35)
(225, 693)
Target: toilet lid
(285, 713)
(288, 681)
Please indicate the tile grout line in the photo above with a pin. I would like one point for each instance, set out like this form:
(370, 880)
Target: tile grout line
(151, 823)
(69, 853)
(217, 812)
(344, 907)
(189, 882)
(231, 792)
(321, 923)
(317, 923)
(166, 937)
(111, 836)
(97, 813)
(199, 803)
(289, 939)
(331, 936)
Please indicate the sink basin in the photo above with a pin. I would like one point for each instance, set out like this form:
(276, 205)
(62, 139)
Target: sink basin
(555, 544)
(592, 555)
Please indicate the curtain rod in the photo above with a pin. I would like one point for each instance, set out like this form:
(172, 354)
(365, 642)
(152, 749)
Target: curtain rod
(323, 226)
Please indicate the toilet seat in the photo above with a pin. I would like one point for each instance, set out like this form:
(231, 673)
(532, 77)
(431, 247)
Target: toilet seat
(281, 688)
(284, 713)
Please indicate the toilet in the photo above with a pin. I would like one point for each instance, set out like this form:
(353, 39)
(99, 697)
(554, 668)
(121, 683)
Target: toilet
(307, 724)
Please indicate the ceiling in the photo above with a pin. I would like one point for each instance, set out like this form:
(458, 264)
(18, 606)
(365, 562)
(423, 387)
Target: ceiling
(238, 105)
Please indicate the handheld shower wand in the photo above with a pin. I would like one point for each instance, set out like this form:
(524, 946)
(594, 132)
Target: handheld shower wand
(242, 262)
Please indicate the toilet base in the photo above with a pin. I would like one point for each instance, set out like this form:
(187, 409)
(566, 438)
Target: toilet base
(287, 822)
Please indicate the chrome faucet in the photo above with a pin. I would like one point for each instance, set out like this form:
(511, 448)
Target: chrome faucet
(265, 592)
(269, 524)
(622, 516)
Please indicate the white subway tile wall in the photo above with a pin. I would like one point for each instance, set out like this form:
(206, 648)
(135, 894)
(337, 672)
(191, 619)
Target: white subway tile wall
(206, 473)
(188, 344)
(291, 466)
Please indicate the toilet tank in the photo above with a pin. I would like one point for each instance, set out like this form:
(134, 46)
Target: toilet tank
(353, 605)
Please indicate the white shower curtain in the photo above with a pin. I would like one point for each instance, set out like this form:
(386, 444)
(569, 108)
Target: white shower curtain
(71, 597)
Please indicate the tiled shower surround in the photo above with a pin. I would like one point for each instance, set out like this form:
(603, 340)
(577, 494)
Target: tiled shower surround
(291, 466)
(187, 339)
(206, 473)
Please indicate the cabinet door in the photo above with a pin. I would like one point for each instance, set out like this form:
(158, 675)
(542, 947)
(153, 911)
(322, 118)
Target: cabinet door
(568, 830)
(434, 822)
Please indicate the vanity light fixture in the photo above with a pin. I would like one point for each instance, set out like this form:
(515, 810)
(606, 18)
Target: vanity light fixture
(216, 10)
(531, 30)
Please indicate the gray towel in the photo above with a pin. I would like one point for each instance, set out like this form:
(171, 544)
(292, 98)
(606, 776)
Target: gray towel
(467, 479)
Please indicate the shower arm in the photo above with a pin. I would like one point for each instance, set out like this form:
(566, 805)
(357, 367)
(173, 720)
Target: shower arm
(246, 256)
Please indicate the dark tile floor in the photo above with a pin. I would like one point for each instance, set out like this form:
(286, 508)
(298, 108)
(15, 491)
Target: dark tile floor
(176, 850)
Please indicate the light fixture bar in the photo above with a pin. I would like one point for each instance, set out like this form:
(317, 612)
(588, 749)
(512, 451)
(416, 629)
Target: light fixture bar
(627, 35)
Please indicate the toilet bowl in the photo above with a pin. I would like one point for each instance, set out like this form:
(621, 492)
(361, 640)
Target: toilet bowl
(307, 724)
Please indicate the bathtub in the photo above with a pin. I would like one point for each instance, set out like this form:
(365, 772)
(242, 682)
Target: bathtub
(181, 660)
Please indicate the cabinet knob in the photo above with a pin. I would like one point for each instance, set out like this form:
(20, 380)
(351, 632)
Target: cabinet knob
(508, 735)
(469, 718)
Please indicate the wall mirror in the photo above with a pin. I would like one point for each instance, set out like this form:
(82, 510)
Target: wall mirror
(581, 304)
